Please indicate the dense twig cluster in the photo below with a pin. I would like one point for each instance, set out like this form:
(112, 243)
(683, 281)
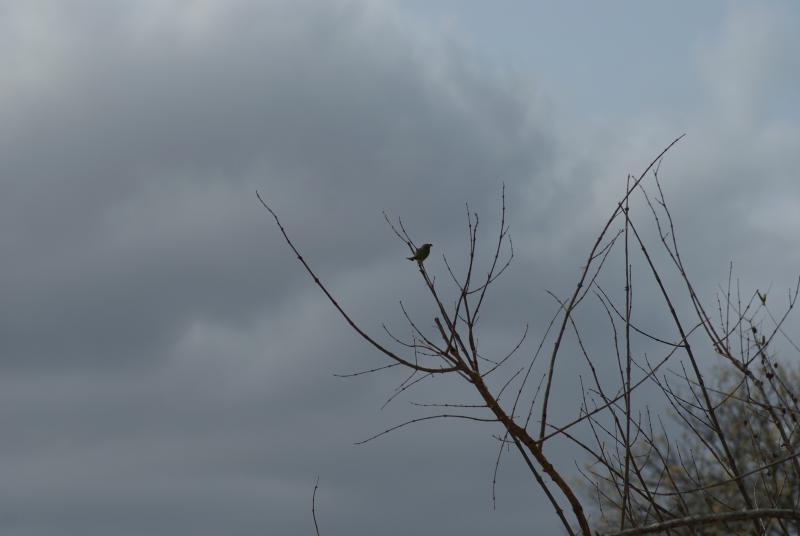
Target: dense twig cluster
(743, 475)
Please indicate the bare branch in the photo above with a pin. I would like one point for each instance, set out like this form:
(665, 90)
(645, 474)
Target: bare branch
(708, 519)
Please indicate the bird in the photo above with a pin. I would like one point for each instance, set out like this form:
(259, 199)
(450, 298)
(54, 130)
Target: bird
(422, 253)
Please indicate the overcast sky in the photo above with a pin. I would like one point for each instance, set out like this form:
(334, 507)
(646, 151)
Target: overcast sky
(168, 369)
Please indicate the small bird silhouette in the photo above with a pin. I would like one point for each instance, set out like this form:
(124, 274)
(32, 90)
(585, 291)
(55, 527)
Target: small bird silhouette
(422, 253)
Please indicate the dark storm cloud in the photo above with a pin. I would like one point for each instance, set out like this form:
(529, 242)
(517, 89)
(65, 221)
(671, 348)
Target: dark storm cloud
(166, 366)
(128, 179)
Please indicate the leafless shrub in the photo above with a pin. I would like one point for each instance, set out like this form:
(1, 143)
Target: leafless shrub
(741, 473)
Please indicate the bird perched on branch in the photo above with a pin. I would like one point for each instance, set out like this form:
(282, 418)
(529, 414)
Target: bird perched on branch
(422, 253)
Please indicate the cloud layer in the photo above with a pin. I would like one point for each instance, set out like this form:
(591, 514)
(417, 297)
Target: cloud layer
(166, 366)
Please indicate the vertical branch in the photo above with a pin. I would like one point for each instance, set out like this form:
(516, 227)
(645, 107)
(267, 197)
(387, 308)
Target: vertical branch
(628, 358)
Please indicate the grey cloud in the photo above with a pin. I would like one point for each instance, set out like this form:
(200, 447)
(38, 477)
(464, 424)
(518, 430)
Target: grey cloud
(133, 175)
(168, 367)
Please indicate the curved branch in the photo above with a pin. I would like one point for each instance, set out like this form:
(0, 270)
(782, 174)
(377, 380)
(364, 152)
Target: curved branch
(707, 519)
